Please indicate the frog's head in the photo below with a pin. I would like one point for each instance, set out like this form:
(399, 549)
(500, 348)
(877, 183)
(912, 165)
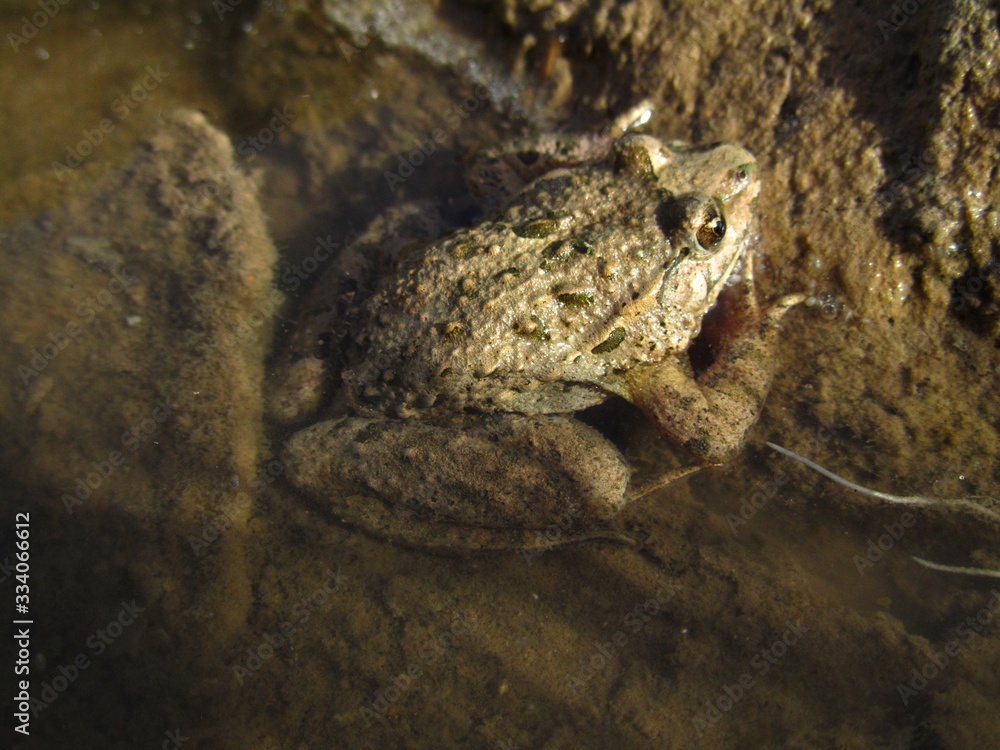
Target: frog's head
(707, 211)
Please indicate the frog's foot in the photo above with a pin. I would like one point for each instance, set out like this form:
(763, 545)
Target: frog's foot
(710, 415)
(505, 481)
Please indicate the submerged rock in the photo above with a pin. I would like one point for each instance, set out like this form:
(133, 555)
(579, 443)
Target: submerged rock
(137, 317)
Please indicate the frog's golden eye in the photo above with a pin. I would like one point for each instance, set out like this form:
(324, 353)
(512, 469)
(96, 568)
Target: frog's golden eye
(712, 229)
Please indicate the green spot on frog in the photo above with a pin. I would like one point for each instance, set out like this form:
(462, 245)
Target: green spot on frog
(568, 146)
(452, 330)
(557, 252)
(611, 343)
(537, 332)
(576, 299)
(536, 230)
(699, 445)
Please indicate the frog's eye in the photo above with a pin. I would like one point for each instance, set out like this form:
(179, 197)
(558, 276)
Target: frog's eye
(694, 221)
(712, 229)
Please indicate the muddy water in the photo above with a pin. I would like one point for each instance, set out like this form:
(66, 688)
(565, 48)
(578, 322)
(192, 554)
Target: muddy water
(192, 599)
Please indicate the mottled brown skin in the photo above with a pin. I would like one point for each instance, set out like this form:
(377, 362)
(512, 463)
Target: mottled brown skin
(590, 282)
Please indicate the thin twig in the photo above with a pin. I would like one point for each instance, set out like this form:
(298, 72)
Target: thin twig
(920, 500)
(957, 569)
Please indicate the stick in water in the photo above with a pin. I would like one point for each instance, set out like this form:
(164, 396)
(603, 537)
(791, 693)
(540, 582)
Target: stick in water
(960, 504)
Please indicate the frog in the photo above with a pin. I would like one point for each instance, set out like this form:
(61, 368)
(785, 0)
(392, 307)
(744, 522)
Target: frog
(434, 379)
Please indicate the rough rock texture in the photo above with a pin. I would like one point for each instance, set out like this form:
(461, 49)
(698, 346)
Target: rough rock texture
(151, 291)
(136, 320)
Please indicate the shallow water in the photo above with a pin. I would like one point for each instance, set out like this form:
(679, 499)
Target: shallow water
(193, 599)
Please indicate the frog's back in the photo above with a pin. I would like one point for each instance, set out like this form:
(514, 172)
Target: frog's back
(530, 310)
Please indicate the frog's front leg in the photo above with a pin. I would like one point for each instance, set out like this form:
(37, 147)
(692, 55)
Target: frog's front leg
(711, 414)
(499, 481)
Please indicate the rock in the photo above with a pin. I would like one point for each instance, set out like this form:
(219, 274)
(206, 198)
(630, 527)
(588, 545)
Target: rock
(137, 316)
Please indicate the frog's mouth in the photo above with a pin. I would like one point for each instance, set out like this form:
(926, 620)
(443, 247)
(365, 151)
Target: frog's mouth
(718, 285)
